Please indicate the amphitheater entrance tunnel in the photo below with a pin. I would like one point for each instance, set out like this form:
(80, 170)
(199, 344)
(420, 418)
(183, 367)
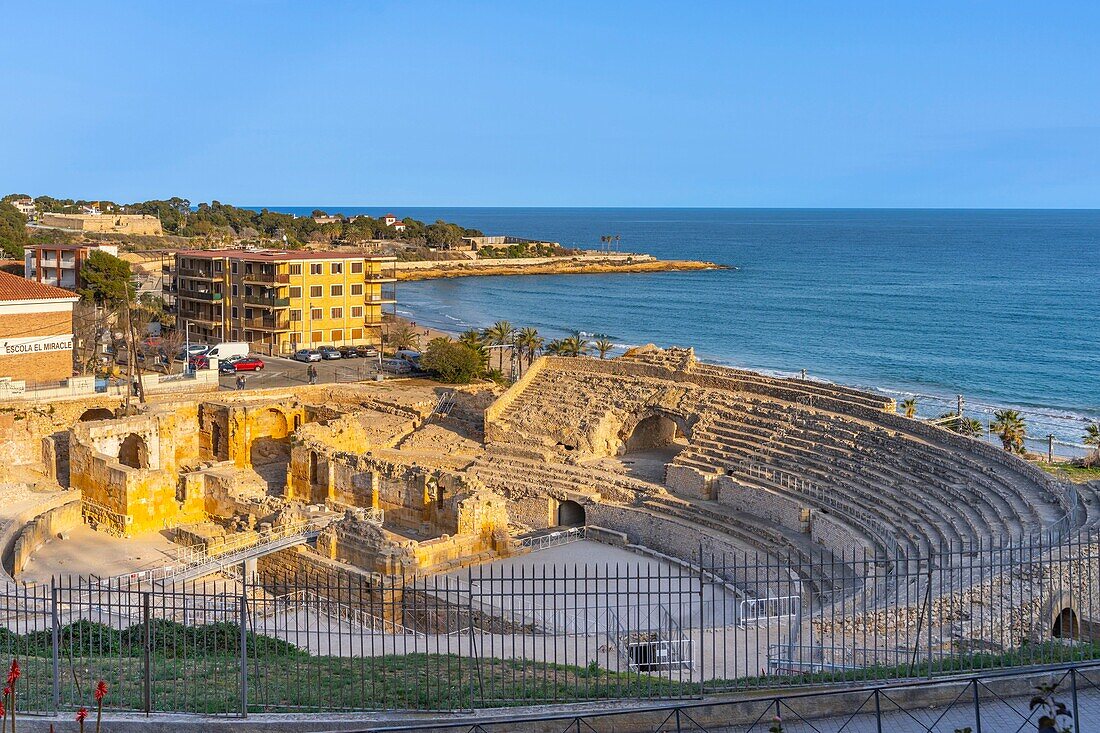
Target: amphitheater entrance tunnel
(134, 451)
(1066, 625)
(650, 433)
(570, 514)
(96, 413)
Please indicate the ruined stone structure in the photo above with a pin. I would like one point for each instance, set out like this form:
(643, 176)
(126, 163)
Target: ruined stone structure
(654, 448)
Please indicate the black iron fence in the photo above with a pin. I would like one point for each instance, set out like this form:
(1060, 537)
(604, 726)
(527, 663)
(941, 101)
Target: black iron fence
(559, 625)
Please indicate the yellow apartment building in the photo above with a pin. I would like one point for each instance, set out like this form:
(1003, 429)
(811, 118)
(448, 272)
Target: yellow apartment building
(280, 301)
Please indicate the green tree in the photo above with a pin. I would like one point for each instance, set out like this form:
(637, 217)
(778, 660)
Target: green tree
(1092, 437)
(451, 361)
(499, 334)
(13, 231)
(1009, 426)
(910, 407)
(106, 279)
(529, 343)
(603, 346)
(401, 336)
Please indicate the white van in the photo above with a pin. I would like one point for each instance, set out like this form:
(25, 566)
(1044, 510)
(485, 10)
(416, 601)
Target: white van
(227, 350)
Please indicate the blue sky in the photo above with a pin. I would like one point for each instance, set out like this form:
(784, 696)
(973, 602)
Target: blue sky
(555, 104)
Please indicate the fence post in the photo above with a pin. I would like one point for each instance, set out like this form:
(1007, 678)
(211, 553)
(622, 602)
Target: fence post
(878, 711)
(55, 642)
(977, 708)
(1076, 709)
(147, 677)
(243, 620)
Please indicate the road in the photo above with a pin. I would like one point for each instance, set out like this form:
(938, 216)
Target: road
(281, 372)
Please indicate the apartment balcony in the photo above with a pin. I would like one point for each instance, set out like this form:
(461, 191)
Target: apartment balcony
(266, 324)
(266, 278)
(264, 301)
(198, 274)
(383, 299)
(201, 319)
(200, 296)
(379, 278)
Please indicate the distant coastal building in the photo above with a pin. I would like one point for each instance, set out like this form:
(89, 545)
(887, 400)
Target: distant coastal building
(36, 330)
(326, 219)
(499, 240)
(25, 207)
(281, 301)
(59, 264)
(392, 221)
(140, 224)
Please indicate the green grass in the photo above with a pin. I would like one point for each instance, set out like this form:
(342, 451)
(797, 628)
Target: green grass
(1077, 474)
(197, 670)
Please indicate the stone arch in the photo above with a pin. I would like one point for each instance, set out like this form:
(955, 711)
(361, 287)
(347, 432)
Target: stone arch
(269, 430)
(570, 514)
(1066, 625)
(653, 428)
(96, 413)
(134, 451)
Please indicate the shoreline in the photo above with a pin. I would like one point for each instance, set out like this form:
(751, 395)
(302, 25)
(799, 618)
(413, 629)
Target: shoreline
(558, 266)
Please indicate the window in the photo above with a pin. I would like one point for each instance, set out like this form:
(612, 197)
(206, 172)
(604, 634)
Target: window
(338, 334)
(337, 313)
(337, 290)
(356, 334)
(337, 268)
(317, 336)
(233, 267)
(357, 311)
(316, 314)
(315, 268)
(234, 309)
(218, 266)
(316, 291)
(357, 289)
(296, 291)
(247, 312)
(236, 334)
(357, 267)
(296, 315)
(296, 269)
(234, 290)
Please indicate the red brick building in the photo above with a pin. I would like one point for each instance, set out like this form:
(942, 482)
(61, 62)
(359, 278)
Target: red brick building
(36, 330)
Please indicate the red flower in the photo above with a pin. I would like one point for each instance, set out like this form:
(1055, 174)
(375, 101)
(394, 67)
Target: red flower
(100, 690)
(3, 710)
(81, 715)
(7, 691)
(13, 673)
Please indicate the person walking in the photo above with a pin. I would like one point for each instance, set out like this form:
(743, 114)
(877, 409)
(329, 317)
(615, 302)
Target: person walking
(311, 372)
(240, 382)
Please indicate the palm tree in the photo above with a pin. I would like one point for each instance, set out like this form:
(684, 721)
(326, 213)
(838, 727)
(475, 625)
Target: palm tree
(556, 348)
(499, 334)
(1092, 437)
(603, 346)
(1009, 427)
(471, 337)
(577, 345)
(529, 343)
(967, 426)
(402, 336)
(910, 407)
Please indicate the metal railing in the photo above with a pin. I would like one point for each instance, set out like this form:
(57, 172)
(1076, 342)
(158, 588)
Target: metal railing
(303, 633)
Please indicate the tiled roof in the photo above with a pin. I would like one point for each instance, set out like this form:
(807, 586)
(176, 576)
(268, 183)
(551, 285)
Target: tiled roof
(280, 255)
(13, 287)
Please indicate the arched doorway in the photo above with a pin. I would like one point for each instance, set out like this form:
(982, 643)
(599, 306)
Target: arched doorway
(570, 514)
(1066, 625)
(134, 452)
(96, 413)
(655, 431)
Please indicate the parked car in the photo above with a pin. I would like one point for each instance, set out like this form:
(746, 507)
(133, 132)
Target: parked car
(199, 361)
(348, 352)
(307, 355)
(328, 352)
(397, 366)
(241, 364)
(366, 352)
(226, 349)
(192, 350)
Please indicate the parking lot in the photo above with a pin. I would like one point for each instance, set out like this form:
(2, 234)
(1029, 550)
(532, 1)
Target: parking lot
(282, 372)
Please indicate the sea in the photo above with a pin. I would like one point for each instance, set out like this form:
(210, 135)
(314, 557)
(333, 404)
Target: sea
(1001, 307)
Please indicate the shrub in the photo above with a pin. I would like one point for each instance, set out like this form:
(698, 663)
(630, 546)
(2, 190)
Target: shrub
(451, 361)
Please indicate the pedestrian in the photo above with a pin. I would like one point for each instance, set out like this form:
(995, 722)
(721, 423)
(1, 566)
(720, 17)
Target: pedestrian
(240, 381)
(311, 372)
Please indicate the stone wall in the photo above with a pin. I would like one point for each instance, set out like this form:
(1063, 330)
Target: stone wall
(42, 529)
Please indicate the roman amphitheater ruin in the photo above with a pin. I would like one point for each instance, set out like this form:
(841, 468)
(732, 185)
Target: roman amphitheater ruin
(753, 524)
